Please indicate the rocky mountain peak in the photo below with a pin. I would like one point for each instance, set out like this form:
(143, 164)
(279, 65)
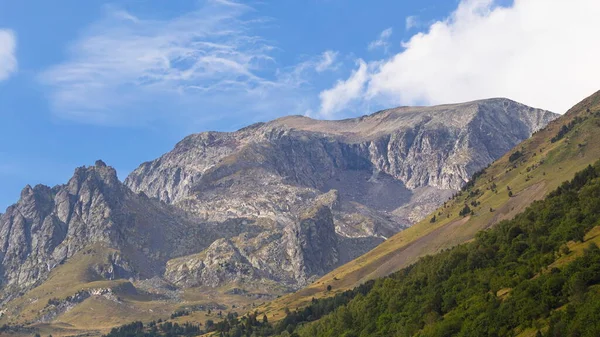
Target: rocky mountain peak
(99, 163)
(48, 225)
(35, 194)
(26, 192)
(99, 177)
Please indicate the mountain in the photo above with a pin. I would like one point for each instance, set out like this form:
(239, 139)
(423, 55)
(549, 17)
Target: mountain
(48, 226)
(229, 219)
(499, 192)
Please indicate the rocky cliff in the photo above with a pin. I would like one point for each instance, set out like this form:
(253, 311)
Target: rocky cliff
(274, 203)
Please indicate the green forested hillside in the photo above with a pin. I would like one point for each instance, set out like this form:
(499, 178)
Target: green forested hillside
(499, 285)
(520, 277)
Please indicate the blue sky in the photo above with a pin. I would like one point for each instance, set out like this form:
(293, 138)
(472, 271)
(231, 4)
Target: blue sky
(125, 80)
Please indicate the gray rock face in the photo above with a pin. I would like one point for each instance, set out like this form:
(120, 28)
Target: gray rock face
(264, 168)
(290, 255)
(312, 243)
(220, 263)
(279, 202)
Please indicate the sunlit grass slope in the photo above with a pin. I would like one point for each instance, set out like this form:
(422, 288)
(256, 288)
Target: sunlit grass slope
(98, 313)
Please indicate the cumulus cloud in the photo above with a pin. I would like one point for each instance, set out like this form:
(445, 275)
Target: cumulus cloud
(382, 41)
(345, 92)
(8, 60)
(540, 52)
(201, 66)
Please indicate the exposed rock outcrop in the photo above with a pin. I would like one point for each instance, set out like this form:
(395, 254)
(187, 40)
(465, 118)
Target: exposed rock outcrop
(47, 226)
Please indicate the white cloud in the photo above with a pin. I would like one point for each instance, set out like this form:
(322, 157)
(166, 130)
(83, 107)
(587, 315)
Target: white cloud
(202, 66)
(543, 53)
(338, 98)
(8, 60)
(382, 41)
(303, 73)
(327, 61)
(412, 22)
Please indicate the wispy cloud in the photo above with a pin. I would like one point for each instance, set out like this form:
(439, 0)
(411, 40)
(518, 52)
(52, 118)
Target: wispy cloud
(382, 41)
(8, 60)
(127, 69)
(327, 61)
(539, 52)
(412, 22)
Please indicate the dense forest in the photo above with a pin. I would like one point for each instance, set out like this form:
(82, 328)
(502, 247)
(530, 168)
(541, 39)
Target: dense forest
(510, 278)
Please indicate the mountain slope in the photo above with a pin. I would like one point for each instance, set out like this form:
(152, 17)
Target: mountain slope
(537, 274)
(531, 170)
(508, 280)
